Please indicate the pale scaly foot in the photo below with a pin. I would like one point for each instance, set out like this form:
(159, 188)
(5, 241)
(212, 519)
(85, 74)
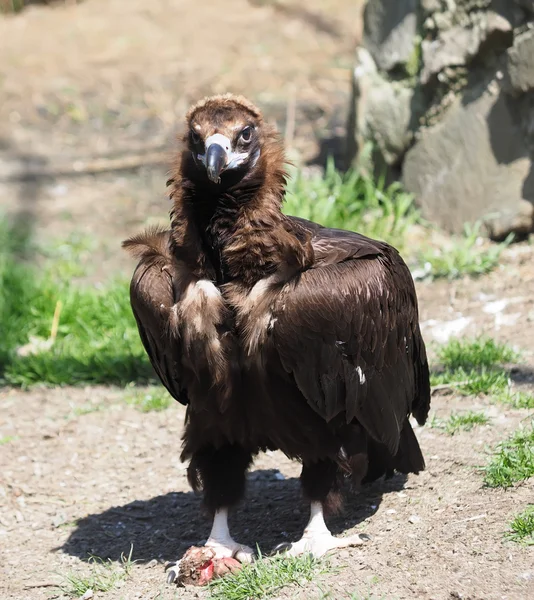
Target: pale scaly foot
(221, 542)
(317, 539)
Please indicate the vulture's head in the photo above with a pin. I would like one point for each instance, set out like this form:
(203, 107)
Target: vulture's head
(228, 139)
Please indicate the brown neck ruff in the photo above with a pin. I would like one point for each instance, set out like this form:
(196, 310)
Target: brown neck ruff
(236, 231)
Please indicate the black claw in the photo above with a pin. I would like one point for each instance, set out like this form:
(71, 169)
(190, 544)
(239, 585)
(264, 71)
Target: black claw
(283, 547)
(171, 576)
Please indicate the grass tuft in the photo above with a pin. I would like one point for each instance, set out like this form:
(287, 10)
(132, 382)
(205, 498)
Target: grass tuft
(512, 461)
(522, 527)
(103, 576)
(479, 367)
(466, 255)
(57, 332)
(460, 422)
(152, 399)
(6, 439)
(265, 577)
(475, 354)
(352, 201)
(522, 400)
(85, 409)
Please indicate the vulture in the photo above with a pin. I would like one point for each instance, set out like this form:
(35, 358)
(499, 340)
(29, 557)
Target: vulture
(275, 332)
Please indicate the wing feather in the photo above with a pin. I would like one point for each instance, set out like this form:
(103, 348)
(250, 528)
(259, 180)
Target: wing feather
(348, 332)
(152, 297)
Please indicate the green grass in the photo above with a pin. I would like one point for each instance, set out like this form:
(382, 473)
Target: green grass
(149, 399)
(474, 354)
(265, 577)
(14, 6)
(103, 576)
(522, 527)
(97, 340)
(464, 256)
(480, 367)
(460, 422)
(6, 439)
(85, 409)
(352, 201)
(72, 333)
(522, 400)
(512, 461)
(11, 6)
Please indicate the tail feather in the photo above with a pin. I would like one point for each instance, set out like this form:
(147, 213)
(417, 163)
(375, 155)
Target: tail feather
(153, 242)
(409, 458)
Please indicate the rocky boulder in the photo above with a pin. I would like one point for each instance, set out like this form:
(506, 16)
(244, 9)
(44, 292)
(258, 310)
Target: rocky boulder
(473, 165)
(390, 31)
(445, 92)
(519, 67)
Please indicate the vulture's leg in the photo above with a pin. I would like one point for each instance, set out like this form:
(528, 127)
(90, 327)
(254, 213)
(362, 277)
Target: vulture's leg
(320, 483)
(222, 473)
(223, 543)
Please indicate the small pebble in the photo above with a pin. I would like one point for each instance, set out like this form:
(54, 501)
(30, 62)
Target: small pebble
(88, 595)
(414, 519)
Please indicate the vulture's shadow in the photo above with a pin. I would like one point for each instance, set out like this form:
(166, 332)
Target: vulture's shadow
(164, 527)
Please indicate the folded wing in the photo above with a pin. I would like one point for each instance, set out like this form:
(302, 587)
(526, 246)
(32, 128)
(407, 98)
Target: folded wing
(348, 332)
(152, 296)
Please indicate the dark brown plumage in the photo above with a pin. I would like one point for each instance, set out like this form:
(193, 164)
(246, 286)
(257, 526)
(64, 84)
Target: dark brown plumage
(276, 332)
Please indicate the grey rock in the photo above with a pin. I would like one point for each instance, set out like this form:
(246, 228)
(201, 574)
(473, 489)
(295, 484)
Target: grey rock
(511, 11)
(468, 157)
(431, 6)
(498, 29)
(385, 110)
(362, 77)
(526, 4)
(388, 118)
(519, 220)
(519, 75)
(390, 29)
(443, 20)
(473, 165)
(459, 45)
(452, 48)
(526, 118)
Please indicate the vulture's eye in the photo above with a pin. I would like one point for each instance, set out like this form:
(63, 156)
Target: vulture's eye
(246, 134)
(195, 137)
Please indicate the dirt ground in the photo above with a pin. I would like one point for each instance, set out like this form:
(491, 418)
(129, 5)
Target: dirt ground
(83, 472)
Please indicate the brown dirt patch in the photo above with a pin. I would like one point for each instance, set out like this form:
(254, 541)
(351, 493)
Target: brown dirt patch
(72, 486)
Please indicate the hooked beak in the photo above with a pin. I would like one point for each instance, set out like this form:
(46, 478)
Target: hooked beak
(220, 157)
(216, 160)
